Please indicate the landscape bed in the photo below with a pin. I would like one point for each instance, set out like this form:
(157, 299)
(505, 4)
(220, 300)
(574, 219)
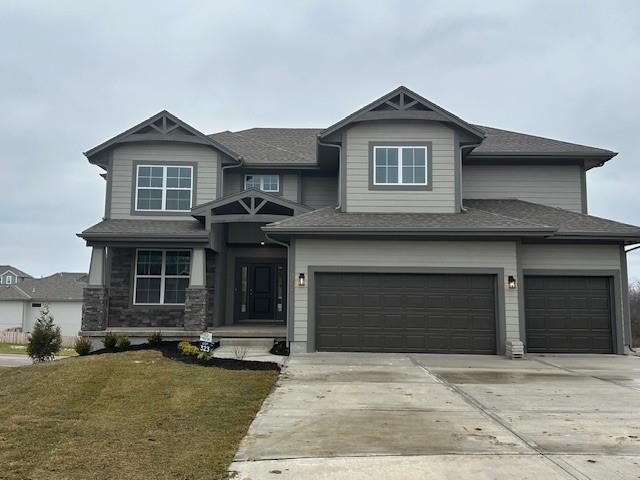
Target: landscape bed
(137, 414)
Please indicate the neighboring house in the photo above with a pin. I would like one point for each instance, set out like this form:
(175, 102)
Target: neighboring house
(401, 228)
(21, 304)
(11, 275)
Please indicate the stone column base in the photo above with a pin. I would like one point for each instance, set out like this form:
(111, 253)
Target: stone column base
(94, 309)
(515, 349)
(195, 309)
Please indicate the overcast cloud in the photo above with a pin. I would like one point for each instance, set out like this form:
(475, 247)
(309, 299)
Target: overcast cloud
(76, 73)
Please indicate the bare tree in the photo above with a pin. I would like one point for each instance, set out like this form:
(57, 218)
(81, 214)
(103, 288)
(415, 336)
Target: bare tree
(634, 300)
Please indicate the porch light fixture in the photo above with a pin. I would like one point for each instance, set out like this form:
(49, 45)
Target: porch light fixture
(301, 280)
(512, 282)
(262, 244)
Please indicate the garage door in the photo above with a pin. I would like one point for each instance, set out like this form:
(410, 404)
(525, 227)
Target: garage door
(568, 314)
(374, 312)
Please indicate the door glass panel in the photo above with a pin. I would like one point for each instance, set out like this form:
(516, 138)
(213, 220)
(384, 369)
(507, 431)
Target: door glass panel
(280, 288)
(243, 289)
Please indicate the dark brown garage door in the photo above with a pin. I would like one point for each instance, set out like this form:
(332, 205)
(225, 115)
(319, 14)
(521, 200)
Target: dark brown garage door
(568, 314)
(375, 312)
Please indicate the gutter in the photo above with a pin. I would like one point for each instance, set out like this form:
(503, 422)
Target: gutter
(340, 186)
(288, 290)
(239, 164)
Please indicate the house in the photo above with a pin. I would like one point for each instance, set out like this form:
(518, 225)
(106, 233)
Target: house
(400, 228)
(21, 304)
(11, 275)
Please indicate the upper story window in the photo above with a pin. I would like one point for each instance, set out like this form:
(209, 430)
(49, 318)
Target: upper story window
(161, 277)
(266, 183)
(8, 280)
(164, 188)
(400, 165)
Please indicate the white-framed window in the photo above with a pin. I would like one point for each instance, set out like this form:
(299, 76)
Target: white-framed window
(165, 188)
(8, 280)
(161, 277)
(266, 183)
(400, 165)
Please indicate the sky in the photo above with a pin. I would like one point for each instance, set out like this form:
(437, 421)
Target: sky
(75, 73)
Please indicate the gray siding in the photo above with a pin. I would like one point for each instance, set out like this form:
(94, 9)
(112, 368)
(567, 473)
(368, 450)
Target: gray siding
(388, 253)
(552, 185)
(570, 257)
(234, 183)
(319, 192)
(441, 199)
(205, 158)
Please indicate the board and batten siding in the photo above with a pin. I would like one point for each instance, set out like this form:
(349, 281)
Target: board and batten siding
(390, 253)
(319, 191)
(552, 185)
(441, 197)
(124, 156)
(570, 257)
(234, 183)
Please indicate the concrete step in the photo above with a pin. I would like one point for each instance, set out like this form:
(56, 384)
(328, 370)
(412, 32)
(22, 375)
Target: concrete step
(246, 342)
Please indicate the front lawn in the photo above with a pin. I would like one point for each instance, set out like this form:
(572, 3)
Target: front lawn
(133, 415)
(11, 348)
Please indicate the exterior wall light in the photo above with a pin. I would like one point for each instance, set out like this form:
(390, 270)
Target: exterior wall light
(262, 244)
(512, 282)
(301, 280)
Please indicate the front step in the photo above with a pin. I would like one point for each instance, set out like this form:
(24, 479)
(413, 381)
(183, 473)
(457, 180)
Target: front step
(246, 342)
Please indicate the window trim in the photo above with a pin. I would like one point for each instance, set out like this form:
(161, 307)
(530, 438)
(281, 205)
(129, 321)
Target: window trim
(8, 280)
(400, 186)
(163, 276)
(262, 175)
(134, 187)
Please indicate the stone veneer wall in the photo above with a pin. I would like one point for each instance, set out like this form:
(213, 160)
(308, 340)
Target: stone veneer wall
(122, 312)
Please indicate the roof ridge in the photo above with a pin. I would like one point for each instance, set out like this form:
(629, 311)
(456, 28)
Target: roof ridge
(22, 291)
(272, 146)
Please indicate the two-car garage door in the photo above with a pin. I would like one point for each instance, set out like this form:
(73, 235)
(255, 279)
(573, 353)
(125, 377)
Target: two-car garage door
(394, 312)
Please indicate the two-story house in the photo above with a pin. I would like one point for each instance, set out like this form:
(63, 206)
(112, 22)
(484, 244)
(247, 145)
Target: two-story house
(11, 275)
(401, 228)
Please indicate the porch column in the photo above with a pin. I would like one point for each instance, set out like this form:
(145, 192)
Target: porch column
(195, 304)
(95, 298)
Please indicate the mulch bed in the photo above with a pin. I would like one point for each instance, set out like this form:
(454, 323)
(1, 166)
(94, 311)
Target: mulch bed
(170, 350)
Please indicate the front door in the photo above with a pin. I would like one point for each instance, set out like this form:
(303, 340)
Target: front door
(260, 290)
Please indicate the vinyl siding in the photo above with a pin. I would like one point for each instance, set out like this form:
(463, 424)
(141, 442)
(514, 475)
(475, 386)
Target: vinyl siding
(319, 192)
(67, 315)
(234, 183)
(12, 313)
(570, 257)
(377, 253)
(205, 158)
(441, 199)
(552, 185)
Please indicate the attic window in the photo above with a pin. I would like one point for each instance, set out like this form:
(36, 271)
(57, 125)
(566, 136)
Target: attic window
(400, 165)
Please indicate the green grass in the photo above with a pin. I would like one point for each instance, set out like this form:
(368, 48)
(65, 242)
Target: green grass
(133, 415)
(10, 348)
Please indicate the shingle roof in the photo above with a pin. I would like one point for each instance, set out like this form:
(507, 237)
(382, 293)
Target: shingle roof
(186, 229)
(482, 216)
(505, 142)
(297, 146)
(63, 286)
(17, 271)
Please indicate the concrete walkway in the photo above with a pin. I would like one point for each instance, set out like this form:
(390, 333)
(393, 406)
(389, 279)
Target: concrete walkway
(14, 360)
(393, 416)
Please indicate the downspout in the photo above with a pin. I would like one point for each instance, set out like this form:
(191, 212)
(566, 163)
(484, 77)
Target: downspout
(239, 164)
(340, 186)
(289, 271)
(462, 147)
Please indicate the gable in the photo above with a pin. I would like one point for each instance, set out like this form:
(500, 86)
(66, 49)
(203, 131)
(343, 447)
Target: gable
(404, 104)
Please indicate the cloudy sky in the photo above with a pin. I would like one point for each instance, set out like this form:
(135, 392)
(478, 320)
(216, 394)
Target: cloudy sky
(75, 73)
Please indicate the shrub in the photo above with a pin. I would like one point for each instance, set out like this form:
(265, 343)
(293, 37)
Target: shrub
(110, 341)
(45, 340)
(82, 346)
(123, 342)
(188, 350)
(155, 339)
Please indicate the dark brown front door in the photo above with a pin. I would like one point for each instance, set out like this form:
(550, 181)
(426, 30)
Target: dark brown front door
(260, 290)
(380, 312)
(568, 314)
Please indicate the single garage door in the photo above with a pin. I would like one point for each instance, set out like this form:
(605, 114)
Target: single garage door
(380, 312)
(568, 314)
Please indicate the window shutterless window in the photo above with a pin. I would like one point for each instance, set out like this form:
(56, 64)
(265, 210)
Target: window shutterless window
(164, 188)
(161, 277)
(266, 183)
(399, 165)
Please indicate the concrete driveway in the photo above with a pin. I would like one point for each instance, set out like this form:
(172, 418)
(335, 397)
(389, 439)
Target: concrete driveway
(14, 360)
(394, 416)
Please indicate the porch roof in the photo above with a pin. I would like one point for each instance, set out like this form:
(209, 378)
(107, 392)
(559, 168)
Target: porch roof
(188, 230)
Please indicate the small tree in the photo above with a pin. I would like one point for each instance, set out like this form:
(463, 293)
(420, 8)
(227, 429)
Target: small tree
(634, 301)
(45, 340)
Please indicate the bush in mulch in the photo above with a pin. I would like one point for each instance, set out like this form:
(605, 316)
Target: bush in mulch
(170, 350)
(280, 348)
